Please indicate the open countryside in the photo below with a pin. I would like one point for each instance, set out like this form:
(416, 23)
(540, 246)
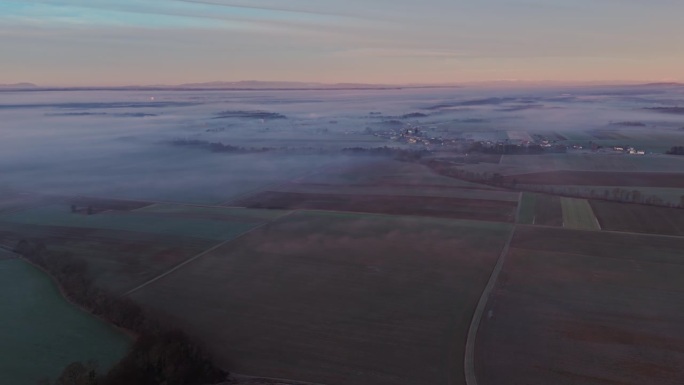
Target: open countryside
(360, 283)
(404, 236)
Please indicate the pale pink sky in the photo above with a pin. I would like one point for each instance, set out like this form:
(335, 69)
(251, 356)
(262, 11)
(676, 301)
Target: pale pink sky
(122, 42)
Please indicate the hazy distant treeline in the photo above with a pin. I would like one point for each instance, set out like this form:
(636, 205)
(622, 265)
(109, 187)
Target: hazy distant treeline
(495, 179)
(397, 153)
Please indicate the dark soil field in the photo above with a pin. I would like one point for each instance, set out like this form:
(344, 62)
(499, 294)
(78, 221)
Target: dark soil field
(600, 178)
(639, 218)
(478, 209)
(591, 308)
(337, 298)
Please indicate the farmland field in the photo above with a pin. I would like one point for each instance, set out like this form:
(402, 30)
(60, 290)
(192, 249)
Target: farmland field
(41, 333)
(338, 298)
(56, 215)
(639, 218)
(120, 259)
(578, 214)
(387, 173)
(592, 308)
(596, 162)
(216, 213)
(603, 178)
(548, 210)
(478, 209)
(527, 208)
(671, 196)
(359, 257)
(405, 190)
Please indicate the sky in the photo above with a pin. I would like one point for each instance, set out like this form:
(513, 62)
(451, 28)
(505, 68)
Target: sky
(145, 42)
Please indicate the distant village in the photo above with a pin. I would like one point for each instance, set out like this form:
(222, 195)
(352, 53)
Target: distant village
(523, 144)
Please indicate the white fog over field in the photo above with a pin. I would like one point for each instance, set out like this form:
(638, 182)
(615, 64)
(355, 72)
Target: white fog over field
(120, 143)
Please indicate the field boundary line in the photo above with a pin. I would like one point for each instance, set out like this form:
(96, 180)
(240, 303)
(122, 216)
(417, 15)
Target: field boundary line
(10, 251)
(593, 215)
(517, 212)
(362, 213)
(575, 255)
(469, 359)
(205, 252)
(680, 237)
(281, 381)
(145, 207)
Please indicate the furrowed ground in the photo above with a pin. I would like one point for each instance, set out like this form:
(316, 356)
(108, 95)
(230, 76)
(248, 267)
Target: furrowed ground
(585, 307)
(338, 298)
(639, 218)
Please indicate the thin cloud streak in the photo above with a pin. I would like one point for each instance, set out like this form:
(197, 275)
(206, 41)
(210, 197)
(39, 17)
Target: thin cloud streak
(333, 41)
(276, 9)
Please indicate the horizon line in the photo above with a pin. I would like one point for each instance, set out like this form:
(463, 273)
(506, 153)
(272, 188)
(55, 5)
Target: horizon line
(285, 84)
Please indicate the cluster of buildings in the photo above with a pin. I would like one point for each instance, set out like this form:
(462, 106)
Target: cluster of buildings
(630, 150)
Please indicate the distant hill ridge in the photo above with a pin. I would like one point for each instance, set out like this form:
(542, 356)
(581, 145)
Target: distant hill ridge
(664, 84)
(216, 85)
(18, 85)
(256, 84)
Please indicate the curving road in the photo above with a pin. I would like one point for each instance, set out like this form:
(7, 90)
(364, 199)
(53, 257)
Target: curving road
(469, 360)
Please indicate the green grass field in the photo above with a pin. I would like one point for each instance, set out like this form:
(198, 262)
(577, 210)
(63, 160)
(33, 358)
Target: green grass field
(548, 210)
(578, 214)
(338, 298)
(527, 208)
(40, 332)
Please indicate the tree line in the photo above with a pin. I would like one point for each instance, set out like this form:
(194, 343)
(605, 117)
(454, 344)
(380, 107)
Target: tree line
(396, 153)
(159, 356)
(495, 179)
